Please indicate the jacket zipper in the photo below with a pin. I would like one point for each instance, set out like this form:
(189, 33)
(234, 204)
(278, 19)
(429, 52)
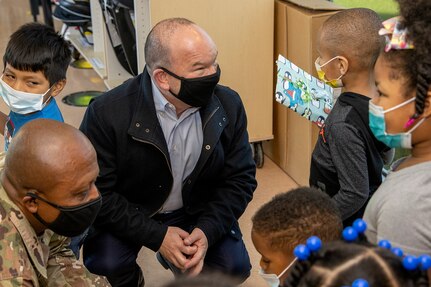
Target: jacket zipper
(211, 115)
(203, 128)
(170, 169)
(167, 162)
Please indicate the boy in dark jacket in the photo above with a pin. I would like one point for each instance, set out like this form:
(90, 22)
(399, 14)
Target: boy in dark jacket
(347, 159)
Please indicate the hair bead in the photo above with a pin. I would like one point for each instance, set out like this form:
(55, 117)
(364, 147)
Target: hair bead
(350, 234)
(301, 252)
(410, 262)
(397, 251)
(314, 243)
(385, 244)
(360, 225)
(425, 262)
(360, 283)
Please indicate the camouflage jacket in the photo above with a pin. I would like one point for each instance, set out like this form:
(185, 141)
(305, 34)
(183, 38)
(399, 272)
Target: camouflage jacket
(30, 260)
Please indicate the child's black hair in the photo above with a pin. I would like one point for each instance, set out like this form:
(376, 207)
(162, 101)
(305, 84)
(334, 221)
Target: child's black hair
(36, 47)
(353, 33)
(340, 263)
(291, 217)
(414, 64)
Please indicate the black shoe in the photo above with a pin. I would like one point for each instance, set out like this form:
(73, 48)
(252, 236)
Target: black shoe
(168, 265)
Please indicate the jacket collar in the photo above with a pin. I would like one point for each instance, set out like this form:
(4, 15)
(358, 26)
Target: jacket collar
(145, 125)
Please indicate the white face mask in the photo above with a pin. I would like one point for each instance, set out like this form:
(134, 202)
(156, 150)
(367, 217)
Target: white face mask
(22, 102)
(273, 280)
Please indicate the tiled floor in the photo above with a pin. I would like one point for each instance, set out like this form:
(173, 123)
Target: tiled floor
(271, 179)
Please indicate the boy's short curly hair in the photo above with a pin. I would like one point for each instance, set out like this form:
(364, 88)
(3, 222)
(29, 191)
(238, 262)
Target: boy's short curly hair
(353, 33)
(36, 47)
(291, 217)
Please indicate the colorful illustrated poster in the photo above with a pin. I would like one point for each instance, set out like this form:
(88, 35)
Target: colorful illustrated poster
(306, 95)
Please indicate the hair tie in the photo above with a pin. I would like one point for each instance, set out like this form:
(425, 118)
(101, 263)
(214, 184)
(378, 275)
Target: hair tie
(396, 37)
(410, 122)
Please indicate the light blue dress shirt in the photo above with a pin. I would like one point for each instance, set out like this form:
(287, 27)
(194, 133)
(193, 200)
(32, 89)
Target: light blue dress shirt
(184, 138)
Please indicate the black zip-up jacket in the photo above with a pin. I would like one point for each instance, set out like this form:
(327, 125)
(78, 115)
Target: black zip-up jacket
(347, 159)
(135, 175)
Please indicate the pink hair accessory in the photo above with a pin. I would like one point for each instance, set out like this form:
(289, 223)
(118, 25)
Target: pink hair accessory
(410, 122)
(396, 37)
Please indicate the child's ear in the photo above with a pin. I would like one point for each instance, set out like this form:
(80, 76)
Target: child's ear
(58, 87)
(343, 64)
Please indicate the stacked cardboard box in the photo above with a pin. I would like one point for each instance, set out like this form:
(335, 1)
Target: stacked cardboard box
(296, 26)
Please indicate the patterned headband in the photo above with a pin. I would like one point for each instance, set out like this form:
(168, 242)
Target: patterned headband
(396, 37)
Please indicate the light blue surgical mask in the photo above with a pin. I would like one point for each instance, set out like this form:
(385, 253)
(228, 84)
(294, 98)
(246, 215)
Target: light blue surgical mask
(273, 280)
(378, 126)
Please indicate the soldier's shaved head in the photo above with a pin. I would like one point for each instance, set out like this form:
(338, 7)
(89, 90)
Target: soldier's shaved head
(45, 153)
(353, 33)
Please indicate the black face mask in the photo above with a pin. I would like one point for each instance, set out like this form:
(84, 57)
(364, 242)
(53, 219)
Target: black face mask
(73, 220)
(196, 92)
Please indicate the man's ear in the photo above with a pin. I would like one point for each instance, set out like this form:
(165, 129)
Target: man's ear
(343, 64)
(58, 87)
(161, 79)
(30, 203)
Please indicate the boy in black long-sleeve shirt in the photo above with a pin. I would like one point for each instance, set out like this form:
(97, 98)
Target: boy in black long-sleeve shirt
(347, 160)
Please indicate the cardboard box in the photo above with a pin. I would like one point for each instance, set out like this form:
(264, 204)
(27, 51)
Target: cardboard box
(296, 26)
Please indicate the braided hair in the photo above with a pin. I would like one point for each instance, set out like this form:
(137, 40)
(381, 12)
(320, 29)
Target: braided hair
(339, 264)
(415, 64)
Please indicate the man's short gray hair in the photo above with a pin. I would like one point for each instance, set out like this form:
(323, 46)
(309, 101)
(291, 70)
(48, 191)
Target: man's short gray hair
(157, 53)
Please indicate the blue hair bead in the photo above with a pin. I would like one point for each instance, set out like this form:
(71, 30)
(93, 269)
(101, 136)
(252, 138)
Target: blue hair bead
(350, 234)
(410, 262)
(360, 225)
(397, 251)
(425, 262)
(301, 252)
(314, 243)
(360, 283)
(385, 244)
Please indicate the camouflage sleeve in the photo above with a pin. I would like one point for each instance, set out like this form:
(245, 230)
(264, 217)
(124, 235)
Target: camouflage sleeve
(65, 270)
(15, 282)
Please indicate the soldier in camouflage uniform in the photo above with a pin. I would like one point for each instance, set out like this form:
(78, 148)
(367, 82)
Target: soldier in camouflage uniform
(47, 188)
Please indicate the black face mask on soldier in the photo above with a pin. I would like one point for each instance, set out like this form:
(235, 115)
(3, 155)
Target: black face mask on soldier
(72, 220)
(196, 92)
